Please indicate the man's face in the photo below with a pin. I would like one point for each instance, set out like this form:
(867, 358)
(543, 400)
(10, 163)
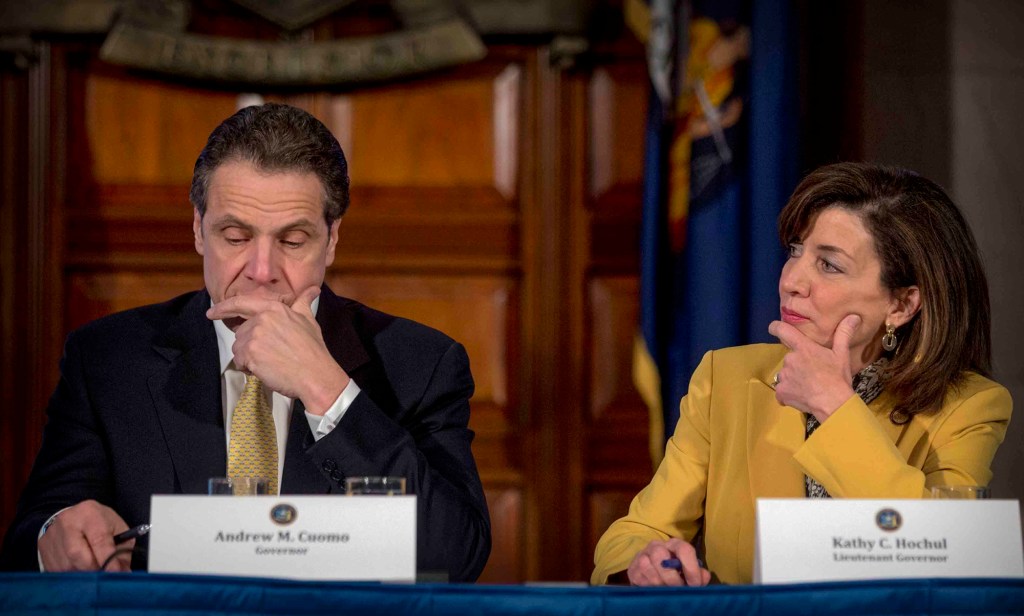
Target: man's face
(263, 234)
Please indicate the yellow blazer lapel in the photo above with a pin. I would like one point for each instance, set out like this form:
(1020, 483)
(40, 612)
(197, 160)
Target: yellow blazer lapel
(774, 433)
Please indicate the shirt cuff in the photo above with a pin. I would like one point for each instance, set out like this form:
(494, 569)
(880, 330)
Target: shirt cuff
(322, 426)
(42, 531)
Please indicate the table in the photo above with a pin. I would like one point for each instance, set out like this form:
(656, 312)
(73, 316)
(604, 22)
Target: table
(140, 593)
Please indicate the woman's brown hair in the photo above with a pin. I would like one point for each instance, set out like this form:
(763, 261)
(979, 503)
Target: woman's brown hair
(921, 238)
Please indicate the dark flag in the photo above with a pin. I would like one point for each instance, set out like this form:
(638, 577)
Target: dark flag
(721, 156)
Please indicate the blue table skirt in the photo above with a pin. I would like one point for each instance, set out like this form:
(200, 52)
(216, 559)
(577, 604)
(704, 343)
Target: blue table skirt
(92, 593)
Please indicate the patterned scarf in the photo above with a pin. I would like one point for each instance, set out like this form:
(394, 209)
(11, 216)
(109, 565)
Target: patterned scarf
(867, 384)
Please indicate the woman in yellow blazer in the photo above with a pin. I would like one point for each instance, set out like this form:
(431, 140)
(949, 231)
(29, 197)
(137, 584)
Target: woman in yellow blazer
(878, 389)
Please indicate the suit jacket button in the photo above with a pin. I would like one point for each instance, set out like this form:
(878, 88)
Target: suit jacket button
(337, 476)
(329, 465)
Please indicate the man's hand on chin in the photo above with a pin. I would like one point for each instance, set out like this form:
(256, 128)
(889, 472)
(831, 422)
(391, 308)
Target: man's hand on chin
(283, 346)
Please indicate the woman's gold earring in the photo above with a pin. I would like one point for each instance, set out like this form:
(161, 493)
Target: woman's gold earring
(889, 340)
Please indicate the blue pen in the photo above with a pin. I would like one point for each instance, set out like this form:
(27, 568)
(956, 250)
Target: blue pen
(675, 563)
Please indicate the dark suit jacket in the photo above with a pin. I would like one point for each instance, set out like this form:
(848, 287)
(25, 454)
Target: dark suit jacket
(137, 412)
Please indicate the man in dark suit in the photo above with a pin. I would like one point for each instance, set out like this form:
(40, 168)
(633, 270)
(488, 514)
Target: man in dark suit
(149, 399)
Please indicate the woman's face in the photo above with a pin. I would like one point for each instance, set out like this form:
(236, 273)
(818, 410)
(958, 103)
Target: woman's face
(832, 272)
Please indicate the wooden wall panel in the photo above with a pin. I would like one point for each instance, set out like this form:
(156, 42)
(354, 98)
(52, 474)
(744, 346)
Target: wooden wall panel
(133, 226)
(613, 316)
(617, 462)
(617, 101)
(148, 132)
(618, 425)
(134, 143)
(424, 135)
(506, 561)
(424, 242)
(617, 104)
(433, 169)
(457, 134)
(95, 294)
(29, 260)
(606, 506)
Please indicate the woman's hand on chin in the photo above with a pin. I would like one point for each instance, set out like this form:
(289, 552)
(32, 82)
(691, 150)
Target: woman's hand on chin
(815, 379)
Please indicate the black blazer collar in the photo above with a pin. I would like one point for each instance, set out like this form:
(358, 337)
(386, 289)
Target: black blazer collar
(186, 392)
(336, 317)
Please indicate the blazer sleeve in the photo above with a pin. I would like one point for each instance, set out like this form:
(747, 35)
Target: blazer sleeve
(429, 445)
(672, 504)
(961, 441)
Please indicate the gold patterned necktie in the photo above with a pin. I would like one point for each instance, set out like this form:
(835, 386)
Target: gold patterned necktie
(252, 451)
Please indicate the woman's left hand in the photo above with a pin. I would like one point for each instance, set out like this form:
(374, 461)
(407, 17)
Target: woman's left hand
(815, 379)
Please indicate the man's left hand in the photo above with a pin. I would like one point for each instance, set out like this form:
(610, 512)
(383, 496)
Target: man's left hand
(284, 347)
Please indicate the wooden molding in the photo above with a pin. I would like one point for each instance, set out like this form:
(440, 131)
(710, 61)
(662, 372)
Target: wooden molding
(507, 93)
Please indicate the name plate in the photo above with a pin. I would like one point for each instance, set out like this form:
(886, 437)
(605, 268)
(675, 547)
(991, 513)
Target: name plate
(810, 540)
(304, 537)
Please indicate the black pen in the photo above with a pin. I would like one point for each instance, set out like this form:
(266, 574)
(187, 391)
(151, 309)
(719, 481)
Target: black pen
(132, 533)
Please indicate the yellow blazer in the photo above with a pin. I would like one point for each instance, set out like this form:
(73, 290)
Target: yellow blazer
(734, 443)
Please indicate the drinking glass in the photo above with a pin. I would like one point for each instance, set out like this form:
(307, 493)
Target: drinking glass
(238, 486)
(966, 492)
(381, 486)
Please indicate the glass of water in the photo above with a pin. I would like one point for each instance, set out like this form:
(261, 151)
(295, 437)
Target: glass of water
(380, 486)
(964, 492)
(238, 486)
